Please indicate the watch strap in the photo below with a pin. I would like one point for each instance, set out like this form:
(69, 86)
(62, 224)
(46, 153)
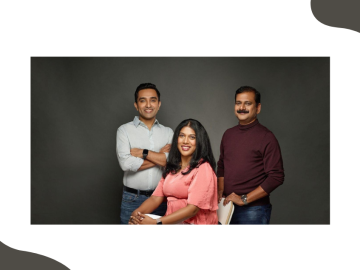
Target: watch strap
(158, 221)
(145, 153)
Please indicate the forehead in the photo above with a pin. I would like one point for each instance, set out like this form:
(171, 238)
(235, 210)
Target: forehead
(147, 93)
(246, 96)
(187, 130)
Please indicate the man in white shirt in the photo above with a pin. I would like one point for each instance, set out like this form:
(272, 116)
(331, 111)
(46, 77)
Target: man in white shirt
(142, 147)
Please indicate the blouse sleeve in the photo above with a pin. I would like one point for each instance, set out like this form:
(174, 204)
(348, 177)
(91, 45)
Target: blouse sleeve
(159, 189)
(202, 191)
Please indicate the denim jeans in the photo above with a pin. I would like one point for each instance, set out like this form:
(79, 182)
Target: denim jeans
(251, 214)
(131, 201)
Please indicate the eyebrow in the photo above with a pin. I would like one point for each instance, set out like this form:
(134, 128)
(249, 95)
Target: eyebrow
(146, 97)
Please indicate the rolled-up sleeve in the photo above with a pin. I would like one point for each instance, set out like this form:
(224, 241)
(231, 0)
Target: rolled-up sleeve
(126, 160)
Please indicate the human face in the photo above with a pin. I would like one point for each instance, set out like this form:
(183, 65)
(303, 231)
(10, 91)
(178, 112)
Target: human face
(187, 142)
(147, 104)
(245, 108)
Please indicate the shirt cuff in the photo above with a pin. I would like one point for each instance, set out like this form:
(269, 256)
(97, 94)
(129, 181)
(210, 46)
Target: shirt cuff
(136, 166)
(167, 156)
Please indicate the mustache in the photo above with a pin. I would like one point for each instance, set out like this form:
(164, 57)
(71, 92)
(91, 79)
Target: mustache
(242, 111)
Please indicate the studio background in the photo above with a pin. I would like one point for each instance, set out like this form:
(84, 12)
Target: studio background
(77, 104)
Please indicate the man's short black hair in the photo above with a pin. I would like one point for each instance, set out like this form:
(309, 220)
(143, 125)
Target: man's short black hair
(243, 89)
(146, 86)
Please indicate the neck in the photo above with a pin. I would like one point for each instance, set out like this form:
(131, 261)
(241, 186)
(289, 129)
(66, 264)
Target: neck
(246, 123)
(185, 161)
(148, 122)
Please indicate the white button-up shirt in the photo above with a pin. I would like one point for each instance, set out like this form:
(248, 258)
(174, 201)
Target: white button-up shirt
(136, 134)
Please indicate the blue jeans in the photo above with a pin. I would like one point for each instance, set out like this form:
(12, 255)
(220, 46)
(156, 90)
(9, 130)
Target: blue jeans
(131, 201)
(251, 214)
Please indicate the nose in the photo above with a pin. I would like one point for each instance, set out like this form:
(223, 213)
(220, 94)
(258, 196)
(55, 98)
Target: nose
(242, 106)
(147, 104)
(186, 140)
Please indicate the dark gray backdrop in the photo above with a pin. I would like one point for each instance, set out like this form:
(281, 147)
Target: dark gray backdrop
(77, 104)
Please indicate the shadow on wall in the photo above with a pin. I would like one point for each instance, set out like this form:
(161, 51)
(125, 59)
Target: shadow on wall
(12, 259)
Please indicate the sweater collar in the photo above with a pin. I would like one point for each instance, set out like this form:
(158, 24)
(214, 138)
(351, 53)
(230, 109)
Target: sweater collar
(244, 127)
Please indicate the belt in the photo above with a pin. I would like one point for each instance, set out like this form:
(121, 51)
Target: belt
(147, 193)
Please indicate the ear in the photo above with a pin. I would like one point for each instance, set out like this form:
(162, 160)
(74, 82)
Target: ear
(159, 104)
(258, 108)
(136, 107)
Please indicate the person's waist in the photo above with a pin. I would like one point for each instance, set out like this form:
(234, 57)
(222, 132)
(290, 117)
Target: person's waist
(147, 192)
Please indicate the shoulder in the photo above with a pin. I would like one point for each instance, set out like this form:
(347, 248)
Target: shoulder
(268, 136)
(204, 174)
(230, 131)
(166, 129)
(126, 126)
(204, 167)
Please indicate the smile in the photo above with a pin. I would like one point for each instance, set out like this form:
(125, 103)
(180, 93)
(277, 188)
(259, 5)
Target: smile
(148, 111)
(185, 148)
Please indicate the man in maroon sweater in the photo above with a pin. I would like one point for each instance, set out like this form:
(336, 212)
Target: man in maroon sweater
(250, 164)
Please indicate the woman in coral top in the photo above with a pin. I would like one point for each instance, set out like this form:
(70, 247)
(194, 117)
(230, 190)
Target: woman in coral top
(189, 183)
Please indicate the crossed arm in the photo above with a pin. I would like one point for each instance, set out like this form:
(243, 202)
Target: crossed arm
(153, 158)
(130, 159)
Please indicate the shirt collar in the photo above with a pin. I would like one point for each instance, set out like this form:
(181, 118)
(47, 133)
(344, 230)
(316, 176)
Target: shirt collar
(137, 121)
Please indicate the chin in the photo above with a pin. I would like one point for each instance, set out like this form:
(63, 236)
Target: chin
(242, 118)
(186, 154)
(148, 117)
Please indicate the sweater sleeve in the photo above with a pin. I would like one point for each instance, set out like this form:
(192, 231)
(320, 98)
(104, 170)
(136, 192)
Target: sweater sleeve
(220, 164)
(273, 164)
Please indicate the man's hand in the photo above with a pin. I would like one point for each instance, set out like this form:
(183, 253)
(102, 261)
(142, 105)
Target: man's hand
(136, 152)
(165, 149)
(234, 198)
(220, 195)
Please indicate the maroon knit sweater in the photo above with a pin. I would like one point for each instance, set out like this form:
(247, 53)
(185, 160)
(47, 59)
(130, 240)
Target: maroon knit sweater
(250, 157)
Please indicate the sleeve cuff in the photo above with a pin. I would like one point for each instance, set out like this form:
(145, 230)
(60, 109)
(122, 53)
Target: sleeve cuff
(136, 166)
(268, 185)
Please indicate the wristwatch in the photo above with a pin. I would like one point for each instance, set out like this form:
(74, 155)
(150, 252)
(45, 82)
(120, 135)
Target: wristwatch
(158, 221)
(244, 199)
(145, 153)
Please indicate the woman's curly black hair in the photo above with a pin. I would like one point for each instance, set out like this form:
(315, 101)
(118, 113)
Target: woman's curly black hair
(202, 153)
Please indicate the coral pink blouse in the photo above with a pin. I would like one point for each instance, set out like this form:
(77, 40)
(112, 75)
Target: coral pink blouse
(198, 188)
